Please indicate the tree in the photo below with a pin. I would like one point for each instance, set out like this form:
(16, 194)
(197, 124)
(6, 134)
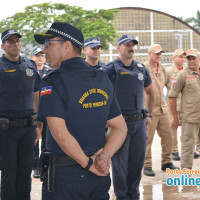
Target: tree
(195, 22)
(38, 18)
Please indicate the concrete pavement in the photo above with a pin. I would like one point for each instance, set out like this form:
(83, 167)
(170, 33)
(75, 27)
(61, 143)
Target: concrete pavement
(151, 188)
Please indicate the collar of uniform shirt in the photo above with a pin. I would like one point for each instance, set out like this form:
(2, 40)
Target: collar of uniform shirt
(72, 62)
(122, 64)
(7, 60)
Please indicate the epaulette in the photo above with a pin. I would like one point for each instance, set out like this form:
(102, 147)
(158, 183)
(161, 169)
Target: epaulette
(31, 64)
(101, 64)
(47, 67)
(140, 65)
(50, 73)
(110, 63)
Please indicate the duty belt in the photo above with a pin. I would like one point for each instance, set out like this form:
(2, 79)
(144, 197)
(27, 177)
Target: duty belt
(133, 118)
(19, 122)
(63, 160)
(29, 121)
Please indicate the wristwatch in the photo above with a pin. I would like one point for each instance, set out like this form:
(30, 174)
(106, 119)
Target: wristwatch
(150, 116)
(90, 162)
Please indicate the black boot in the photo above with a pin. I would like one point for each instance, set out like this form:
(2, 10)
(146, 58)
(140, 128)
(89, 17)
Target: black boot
(175, 156)
(148, 171)
(169, 165)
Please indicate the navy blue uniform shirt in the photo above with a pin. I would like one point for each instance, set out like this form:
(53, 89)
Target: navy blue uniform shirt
(18, 82)
(129, 83)
(100, 65)
(44, 71)
(84, 98)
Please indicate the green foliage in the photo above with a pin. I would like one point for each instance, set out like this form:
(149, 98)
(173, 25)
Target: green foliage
(194, 21)
(38, 18)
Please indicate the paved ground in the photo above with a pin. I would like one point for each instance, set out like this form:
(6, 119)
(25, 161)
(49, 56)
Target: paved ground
(155, 188)
(151, 188)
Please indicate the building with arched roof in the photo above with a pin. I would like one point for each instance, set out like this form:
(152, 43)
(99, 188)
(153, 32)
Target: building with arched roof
(153, 27)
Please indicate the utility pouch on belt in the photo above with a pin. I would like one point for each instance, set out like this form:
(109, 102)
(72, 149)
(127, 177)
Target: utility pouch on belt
(33, 120)
(47, 170)
(4, 123)
(146, 113)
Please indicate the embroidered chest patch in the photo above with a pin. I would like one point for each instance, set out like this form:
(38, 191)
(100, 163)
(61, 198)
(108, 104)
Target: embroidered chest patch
(29, 72)
(140, 76)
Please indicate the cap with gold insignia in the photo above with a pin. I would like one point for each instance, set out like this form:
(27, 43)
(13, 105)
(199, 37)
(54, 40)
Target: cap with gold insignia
(124, 39)
(7, 33)
(37, 50)
(155, 48)
(192, 52)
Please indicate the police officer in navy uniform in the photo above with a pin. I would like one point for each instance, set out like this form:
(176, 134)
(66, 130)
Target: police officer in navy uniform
(77, 101)
(19, 91)
(92, 50)
(39, 58)
(130, 78)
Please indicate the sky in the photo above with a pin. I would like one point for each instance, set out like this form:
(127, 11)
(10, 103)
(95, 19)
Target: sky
(176, 8)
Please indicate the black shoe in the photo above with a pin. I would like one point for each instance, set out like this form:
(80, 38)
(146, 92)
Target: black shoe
(196, 155)
(175, 156)
(169, 165)
(36, 173)
(148, 171)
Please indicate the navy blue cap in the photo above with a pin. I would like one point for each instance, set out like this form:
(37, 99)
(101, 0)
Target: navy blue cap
(124, 39)
(92, 42)
(7, 33)
(63, 30)
(36, 50)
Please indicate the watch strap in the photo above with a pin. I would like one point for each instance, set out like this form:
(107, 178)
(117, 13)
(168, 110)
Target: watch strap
(90, 162)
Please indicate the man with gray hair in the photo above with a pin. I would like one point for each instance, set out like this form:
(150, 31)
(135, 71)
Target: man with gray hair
(179, 59)
(187, 82)
(160, 120)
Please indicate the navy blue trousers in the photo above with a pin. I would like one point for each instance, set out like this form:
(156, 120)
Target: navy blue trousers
(17, 153)
(36, 149)
(75, 183)
(128, 161)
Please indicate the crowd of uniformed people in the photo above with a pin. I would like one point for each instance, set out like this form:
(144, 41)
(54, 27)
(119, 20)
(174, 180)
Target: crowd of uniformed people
(91, 115)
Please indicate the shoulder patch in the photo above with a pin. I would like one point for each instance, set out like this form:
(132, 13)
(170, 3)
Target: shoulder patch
(45, 90)
(140, 65)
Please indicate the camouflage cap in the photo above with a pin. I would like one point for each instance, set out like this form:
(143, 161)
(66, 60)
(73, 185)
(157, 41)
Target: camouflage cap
(192, 52)
(179, 52)
(155, 48)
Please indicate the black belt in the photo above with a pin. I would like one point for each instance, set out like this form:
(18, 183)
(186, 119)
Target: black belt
(19, 122)
(63, 160)
(133, 118)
